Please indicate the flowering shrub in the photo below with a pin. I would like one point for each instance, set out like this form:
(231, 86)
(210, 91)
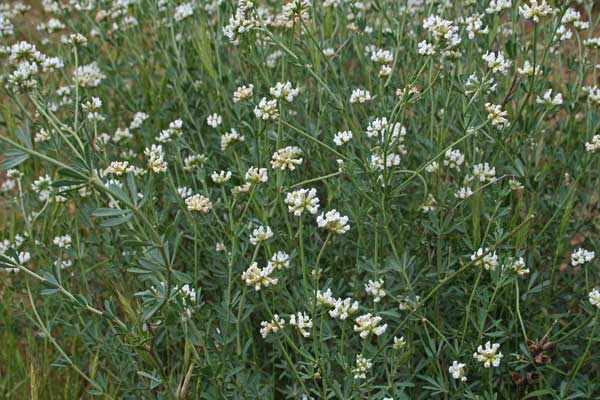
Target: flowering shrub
(339, 199)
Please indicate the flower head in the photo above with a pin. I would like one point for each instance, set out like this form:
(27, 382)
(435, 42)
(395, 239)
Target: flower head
(302, 200)
(287, 158)
(302, 322)
(489, 261)
(488, 355)
(457, 370)
(333, 222)
(261, 234)
(199, 203)
(368, 325)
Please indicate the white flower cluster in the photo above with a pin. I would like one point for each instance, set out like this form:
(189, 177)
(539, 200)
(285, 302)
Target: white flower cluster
(334, 222)
(261, 234)
(302, 322)
(284, 90)
(241, 22)
(259, 277)
(272, 326)
(198, 203)
(155, 156)
(362, 367)
(375, 289)
(368, 325)
(302, 200)
(582, 256)
(485, 259)
(173, 131)
(489, 355)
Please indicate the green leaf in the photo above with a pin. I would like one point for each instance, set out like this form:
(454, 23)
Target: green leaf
(109, 212)
(132, 187)
(538, 393)
(12, 158)
(116, 221)
(24, 135)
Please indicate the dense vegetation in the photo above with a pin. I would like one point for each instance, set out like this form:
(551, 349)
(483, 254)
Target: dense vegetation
(382, 199)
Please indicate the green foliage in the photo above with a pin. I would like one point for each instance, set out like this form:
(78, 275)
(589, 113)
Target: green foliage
(201, 270)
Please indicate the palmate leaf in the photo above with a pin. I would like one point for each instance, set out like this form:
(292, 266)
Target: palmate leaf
(14, 157)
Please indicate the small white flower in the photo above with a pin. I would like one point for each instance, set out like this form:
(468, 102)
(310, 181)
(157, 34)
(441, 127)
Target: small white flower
(63, 242)
(230, 138)
(184, 192)
(302, 200)
(89, 75)
(430, 204)
(192, 161)
(360, 96)
(333, 222)
(24, 257)
(593, 146)
(302, 322)
(42, 187)
(489, 261)
(342, 137)
(343, 308)
(519, 266)
(138, 120)
(155, 156)
(425, 48)
(496, 62)
(475, 26)
(121, 134)
(261, 234)
(325, 298)
(594, 297)
(457, 370)
(214, 120)
(287, 158)
(382, 56)
(488, 355)
(362, 367)
(256, 175)
(399, 343)
(368, 325)
(464, 192)
(548, 100)
(92, 108)
(272, 326)
(375, 289)
(284, 91)
(582, 256)
(266, 109)
(454, 159)
(183, 11)
(220, 177)
(118, 168)
(527, 69)
(257, 277)
(432, 167)
(497, 116)
(328, 52)
(280, 260)
(535, 10)
(243, 92)
(483, 172)
(173, 131)
(496, 6)
(199, 203)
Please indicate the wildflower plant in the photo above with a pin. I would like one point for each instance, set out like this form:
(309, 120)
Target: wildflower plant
(383, 199)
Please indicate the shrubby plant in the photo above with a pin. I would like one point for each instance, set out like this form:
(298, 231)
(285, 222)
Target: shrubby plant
(336, 199)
